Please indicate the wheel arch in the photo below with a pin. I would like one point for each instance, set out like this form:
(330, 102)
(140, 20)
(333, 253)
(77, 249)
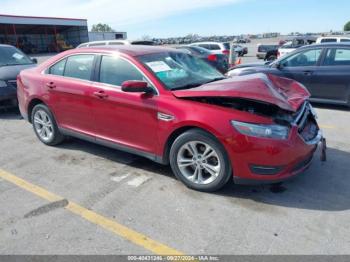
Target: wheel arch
(31, 105)
(175, 134)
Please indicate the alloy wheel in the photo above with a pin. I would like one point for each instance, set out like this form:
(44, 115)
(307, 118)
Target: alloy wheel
(198, 162)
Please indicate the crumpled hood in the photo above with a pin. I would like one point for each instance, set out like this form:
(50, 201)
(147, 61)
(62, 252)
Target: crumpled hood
(283, 92)
(11, 72)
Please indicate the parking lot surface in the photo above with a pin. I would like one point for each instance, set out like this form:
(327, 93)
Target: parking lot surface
(81, 198)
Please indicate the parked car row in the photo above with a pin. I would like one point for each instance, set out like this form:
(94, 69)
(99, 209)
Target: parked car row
(324, 69)
(174, 108)
(12, 61)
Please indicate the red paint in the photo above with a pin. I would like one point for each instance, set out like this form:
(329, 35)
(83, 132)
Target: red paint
(130, 119)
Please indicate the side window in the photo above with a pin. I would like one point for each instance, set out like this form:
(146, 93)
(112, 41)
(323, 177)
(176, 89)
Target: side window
(344, 40)
(329, 40)
(79, 66)
(58, 68)
(337, 57)
(215, 47)
(307, 58)
(115, 71)
(204, 46)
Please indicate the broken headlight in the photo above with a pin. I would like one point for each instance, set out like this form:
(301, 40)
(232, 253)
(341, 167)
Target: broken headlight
(257, 130)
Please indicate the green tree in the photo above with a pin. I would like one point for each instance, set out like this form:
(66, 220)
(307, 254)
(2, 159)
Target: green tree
(347, 26)
(102, 28)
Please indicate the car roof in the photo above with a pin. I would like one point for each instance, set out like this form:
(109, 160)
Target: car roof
(342, 44)
(3, 45)
(132, 50)
(209, 42)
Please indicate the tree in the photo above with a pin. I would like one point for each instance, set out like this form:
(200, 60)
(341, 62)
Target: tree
(102, 28)
(347, 26)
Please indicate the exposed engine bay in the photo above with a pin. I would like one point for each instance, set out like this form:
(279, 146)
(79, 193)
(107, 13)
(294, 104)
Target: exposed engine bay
(279, 115)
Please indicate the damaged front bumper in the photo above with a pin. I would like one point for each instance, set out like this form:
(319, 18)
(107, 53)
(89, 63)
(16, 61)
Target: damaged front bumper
(260, 161)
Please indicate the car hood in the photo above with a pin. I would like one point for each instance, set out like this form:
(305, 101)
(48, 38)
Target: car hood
(283, 92)
(257, 64)
(11, 72)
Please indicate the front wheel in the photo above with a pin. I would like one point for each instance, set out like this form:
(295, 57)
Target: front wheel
(200, 161)
(45, 126)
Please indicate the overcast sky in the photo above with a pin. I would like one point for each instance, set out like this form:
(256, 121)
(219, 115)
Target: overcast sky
(163, 18)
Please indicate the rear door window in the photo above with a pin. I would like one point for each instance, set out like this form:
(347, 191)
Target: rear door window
(79, 66)
(58, 68)
(337, 57)
(344, 40)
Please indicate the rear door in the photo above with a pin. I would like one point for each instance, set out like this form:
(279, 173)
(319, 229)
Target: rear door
(69, 89)
(332, 79)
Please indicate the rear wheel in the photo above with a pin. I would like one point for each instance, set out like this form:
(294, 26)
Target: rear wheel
(200, 161)
(45, 126)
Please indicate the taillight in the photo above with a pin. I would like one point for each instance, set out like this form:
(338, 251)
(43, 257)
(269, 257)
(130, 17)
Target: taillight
(212, 57)
(226, 52)
(278, 54)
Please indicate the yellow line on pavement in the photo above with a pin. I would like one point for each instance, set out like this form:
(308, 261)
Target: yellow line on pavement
(106, 223)
(327, 126)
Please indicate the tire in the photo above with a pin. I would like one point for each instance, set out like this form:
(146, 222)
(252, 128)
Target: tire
(205, 171)
(45, 126)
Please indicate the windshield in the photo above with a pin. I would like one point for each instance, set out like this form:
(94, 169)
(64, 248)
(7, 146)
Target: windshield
(12, 56)
(180, 70)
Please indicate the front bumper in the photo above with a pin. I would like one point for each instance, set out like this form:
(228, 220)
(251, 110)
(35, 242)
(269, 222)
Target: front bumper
(282, 170)
(8, 96)
(261, 160)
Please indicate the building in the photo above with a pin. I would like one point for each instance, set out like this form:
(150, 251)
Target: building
(42, 34)
(99, 36)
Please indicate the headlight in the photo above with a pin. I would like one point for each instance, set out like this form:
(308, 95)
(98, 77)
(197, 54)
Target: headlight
(256, 130)
(3, 83)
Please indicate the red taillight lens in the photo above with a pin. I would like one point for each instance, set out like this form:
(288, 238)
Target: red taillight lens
(226, 52)
(212, 57)
(278, 54)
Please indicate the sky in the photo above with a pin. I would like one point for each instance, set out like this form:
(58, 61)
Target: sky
(167, 18)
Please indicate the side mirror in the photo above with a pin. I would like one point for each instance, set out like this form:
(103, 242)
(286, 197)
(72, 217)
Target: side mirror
(34, 60)
(135, 86)
(278, 65)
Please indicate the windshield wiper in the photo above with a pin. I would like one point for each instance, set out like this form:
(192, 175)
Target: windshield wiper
(215, 79)
(188, 86)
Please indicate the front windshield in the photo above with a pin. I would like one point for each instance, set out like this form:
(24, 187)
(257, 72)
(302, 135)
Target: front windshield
(12, 56)
(180, 70)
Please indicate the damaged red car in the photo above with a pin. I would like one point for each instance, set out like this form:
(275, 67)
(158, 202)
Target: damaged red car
(171, 107)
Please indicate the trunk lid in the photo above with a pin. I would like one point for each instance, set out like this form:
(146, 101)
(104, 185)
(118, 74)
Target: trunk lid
(286, 93)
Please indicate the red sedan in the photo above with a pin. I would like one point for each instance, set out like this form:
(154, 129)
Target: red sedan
(171, 107)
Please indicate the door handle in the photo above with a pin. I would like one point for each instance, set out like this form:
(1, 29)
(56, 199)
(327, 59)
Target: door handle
(51, 85)
(100, 94)
(308, 73)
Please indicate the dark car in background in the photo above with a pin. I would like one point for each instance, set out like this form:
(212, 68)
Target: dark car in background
(263, 49)
(324, 69)
(219, 61)
(12, 61)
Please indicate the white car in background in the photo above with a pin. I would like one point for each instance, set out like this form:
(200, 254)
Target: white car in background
(115, 42)
(332, 39)
(215, 47)
(293, 44)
